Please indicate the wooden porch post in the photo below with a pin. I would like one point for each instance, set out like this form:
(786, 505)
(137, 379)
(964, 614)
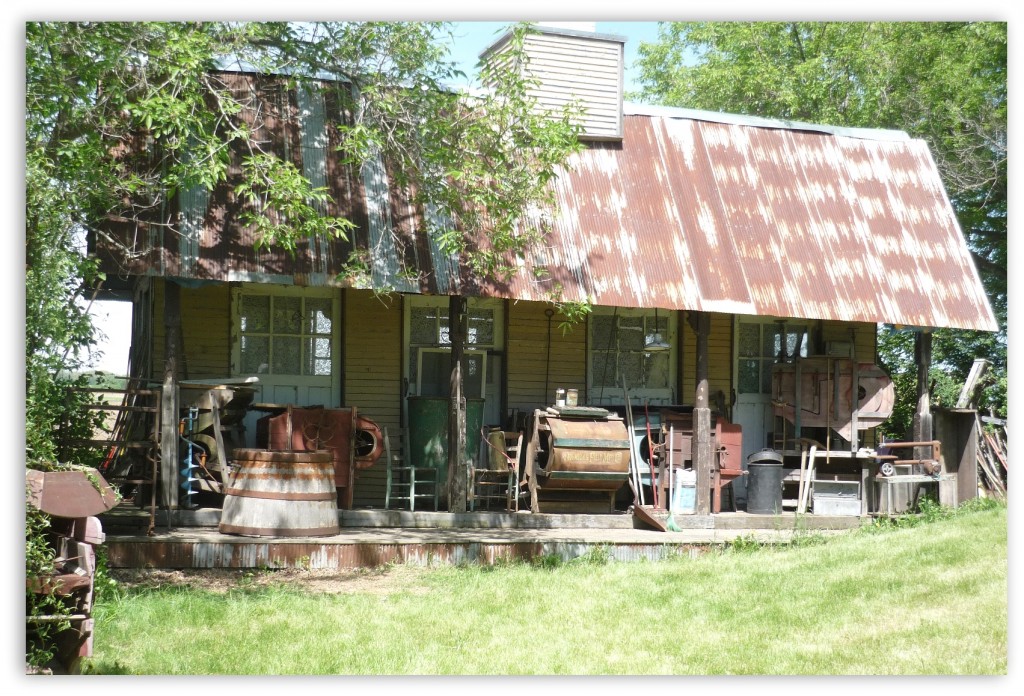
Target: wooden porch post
(168, 484)
(457, 410)
(923, 415)
(701, 443)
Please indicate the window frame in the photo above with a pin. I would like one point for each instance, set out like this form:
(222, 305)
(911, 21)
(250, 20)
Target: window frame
(604, 394)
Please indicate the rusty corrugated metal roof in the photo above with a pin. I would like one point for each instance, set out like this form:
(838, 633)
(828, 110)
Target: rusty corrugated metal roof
(780, 221)
(696, 211)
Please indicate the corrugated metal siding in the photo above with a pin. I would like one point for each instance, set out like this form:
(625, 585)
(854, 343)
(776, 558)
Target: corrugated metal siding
(685, 213)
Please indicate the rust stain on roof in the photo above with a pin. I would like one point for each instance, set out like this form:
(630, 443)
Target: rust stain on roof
(728, 214)
(691, 214)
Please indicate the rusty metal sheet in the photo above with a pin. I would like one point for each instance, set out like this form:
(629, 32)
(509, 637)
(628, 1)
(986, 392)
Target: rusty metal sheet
(710, 216)
(70, 494)
(691, 211)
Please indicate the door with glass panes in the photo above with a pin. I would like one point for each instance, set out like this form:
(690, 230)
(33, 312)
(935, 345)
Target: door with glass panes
(288, 338)
(427, 364)
(759, 345)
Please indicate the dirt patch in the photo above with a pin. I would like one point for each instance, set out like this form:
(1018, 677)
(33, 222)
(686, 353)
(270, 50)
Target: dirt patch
(385, 580)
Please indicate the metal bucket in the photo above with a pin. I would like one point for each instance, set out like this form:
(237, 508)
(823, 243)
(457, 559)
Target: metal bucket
(764, 491)
(275, 493)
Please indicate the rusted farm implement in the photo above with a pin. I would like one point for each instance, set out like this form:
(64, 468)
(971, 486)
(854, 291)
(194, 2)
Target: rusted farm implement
(72, 499)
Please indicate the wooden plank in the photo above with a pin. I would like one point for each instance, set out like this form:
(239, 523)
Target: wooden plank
(995, 449)
(645, 514)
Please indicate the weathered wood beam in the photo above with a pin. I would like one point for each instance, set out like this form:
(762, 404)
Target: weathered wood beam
(703, 456)
(457, 330)
(922, 428)
(168, 484)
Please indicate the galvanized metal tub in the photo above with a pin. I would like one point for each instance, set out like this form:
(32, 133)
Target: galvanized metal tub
(281, 493)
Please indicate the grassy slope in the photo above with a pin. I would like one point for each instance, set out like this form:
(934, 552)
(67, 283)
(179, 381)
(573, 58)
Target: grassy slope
(931, 599)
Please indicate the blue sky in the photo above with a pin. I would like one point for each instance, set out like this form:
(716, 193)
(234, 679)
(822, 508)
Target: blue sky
(471, 38)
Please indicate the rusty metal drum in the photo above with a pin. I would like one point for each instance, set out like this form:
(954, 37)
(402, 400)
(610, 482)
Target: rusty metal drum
(587, 454)
(280, 493)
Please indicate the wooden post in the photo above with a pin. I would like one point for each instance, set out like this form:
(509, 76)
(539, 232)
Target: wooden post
(701, 444)
(168, 484)
(457, 411)
(923, 415)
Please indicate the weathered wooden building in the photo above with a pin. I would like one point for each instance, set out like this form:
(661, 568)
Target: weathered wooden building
(738, 241)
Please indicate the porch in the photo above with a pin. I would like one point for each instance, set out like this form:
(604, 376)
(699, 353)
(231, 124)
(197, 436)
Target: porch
(369, 538)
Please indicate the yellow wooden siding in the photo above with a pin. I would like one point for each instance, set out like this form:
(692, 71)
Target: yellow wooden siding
(372, 376)
(861, 334)
(531, 377)
(205, 328)
(719, 359)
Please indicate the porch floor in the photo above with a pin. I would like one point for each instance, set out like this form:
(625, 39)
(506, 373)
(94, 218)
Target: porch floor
(370, 538)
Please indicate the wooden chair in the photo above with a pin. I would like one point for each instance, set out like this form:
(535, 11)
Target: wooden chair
(407, 483)
(500, 479)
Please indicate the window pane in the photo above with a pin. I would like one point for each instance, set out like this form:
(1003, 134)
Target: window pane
(796, 344)
(287, 316)
(601, 334)
(481, 327)
(631, 367)
(749, 376)
(436, 374)
(656, 370)
(255, 352)
(318, 317)
(413, 370)
(473, 376)
(656, 327)
(318, 356)
(750, 339)
(766, 377)
(631, 333)
(602, 369)
(255, 313)
(772, 342)
(423, 326)
(287, 355)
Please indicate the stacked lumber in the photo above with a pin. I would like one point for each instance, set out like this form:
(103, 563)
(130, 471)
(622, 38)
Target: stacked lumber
(992, 455)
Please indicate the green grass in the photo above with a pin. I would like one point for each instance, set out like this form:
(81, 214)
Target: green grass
(899, 598)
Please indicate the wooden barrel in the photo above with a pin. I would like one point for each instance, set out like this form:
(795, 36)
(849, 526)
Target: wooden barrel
(277, 493)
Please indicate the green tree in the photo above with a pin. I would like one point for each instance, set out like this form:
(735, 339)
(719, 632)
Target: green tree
(94, 90)
(120, 115)
(944, 82)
